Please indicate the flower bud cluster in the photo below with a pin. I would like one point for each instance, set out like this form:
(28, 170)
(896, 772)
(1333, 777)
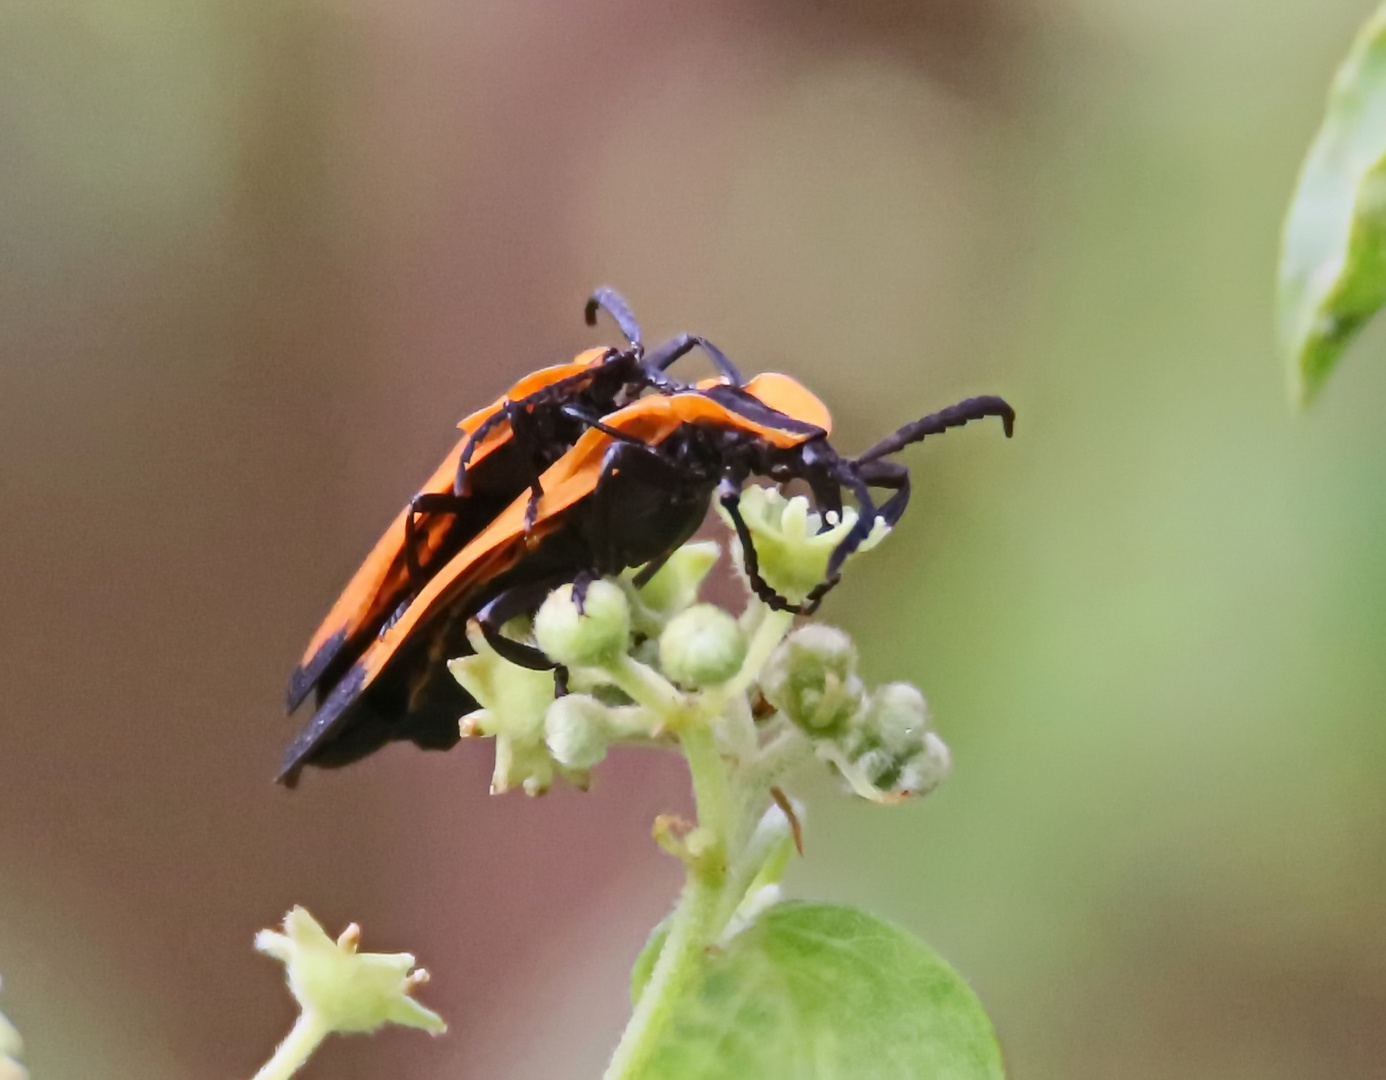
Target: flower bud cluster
(640, 657)
(812, 679)
(881, 741)
(607, 636)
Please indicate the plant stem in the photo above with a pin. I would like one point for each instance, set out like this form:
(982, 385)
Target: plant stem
(704, 906)
(694, 924)
(690, 932)
(297, 1048)
(645, 686)
(774, 625)
(712, 793)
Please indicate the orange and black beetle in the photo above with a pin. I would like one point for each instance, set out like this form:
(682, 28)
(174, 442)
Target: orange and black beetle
(504, 450)
(627, 492)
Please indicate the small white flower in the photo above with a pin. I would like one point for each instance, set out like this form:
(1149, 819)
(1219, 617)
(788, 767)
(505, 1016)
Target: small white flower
(513, 701)
(792, 547)
(344, 990)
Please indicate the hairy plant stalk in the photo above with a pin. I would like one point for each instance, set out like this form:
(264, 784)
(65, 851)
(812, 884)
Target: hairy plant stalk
(695, 923)
(297, 1047)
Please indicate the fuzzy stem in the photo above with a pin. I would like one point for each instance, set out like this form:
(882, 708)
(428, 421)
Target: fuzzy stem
(712, 793)
(768, 633)
(786, 751)
(645, 686)
(295, 1050)
(695, 923)
(705, 905)
(690, 933)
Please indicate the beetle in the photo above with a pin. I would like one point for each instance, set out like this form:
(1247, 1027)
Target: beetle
(631, 490)
(503, 451)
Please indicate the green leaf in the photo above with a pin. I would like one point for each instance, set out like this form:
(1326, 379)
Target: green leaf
(822, 992)
(1333, 260)
(645, 962)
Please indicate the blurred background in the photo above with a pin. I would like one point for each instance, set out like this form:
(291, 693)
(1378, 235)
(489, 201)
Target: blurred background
(257, 258)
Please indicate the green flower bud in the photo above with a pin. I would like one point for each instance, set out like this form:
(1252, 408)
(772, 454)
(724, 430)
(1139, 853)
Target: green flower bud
(344, 990)
(702, 646)
(811, 678)
(675, 585)
(577, 732)
(792, 548)
(880, 768)
(896, 719)
(593, 638)
(927, 769)
(887, 753)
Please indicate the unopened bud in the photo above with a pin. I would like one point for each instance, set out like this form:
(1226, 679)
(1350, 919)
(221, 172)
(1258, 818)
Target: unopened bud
(592, 637)
(675, 585)
(576, 730)
(898, 718)
(702, 646)
(811, 677)
(927, 769)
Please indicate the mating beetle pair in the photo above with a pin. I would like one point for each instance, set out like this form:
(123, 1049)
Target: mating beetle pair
(581, 470)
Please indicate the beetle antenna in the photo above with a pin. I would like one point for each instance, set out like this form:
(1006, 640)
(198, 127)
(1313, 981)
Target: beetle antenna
(939, 422)
(614, 304)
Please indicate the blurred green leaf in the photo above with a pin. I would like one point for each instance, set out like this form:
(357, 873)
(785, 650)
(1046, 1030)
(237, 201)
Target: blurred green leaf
(822, 992)
(1333, 262)
(645, 962)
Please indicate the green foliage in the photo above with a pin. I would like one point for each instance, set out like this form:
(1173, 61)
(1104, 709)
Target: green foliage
(733, 983)
(1333, 261)
(823, 992)
(644, 963)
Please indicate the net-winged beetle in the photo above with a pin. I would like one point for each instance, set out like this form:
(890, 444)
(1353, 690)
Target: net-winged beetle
(629, 491)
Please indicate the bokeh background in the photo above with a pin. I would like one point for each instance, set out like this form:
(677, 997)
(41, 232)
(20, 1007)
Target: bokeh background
(257, 257)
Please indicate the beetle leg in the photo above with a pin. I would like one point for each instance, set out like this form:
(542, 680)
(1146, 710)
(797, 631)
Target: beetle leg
(581, 584)
(520, 600)
(459, 485)
(592, 420)
(866, 521)
(429, 502)
(890, 476)
(939, 422)
(536, 492)
(528, 437)
(660, 359)
(650, 569)
(730, 498)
